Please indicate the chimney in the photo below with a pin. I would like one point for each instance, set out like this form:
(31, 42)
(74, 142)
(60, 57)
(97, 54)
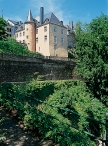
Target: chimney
(71, 25)
(41, 15)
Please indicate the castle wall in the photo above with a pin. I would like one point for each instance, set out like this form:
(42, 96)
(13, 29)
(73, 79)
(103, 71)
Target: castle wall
(14, 69)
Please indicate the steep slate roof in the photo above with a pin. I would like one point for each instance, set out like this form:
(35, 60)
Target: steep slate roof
(50, 17)
(14, 22)
(21, 27)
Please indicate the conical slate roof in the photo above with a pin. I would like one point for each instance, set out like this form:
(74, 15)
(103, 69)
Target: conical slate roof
(30, 17)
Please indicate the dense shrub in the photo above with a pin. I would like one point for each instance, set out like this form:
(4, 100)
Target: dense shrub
(92, 55)
(3, 34)
(13, 47)
(54, 123)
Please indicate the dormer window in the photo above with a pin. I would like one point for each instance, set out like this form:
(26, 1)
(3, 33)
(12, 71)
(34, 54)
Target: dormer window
(47, 20)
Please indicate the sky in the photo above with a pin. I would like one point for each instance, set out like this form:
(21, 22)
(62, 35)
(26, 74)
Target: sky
(65, 10)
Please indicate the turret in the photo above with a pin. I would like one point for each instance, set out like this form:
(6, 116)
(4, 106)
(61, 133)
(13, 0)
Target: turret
(30, 32)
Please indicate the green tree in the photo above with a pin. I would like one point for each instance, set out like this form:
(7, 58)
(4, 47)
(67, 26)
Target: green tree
(92, 51)
(72, 53)
(3, 34)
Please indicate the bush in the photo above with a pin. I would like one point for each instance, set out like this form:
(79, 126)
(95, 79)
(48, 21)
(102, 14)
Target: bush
(36, 104)
(13, 47)
(2, 135)
(92, 55)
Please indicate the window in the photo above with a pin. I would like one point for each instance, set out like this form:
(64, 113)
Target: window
(62, 31)
(20, 34)
(36, 31)
(45, 28)
(17, 35)
(45, 38)
(23, 41)
(55, 39)
(55, 46)
(27, 36)
(8, 29)
(9, 35)
(26, 28)
(36, 40)
(55, 29)
(62, 40)
(23, 33)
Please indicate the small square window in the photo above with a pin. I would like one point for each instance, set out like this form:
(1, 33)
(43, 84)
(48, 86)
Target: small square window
(36, 31)
(55, 39)
(45, 38)
(62, 40)
(27, 29)
(20, 34)
(23, 33)
(27, 36)
(17, 35)
(62, 31)
(36, 40)
(55, 46)
(45, 28)
(55, 29)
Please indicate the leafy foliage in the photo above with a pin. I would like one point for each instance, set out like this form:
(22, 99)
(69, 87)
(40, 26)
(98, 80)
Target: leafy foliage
(1, 133)
(13, 47)
(53, 122)
(3, 34)
(92, 51)
(72, 54)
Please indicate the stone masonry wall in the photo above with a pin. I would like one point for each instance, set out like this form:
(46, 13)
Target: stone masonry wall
(18, 68)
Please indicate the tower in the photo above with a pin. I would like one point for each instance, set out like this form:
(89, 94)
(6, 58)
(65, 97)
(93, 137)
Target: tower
(30, 33)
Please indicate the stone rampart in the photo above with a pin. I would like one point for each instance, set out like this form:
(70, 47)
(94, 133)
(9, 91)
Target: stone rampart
(20, 68)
